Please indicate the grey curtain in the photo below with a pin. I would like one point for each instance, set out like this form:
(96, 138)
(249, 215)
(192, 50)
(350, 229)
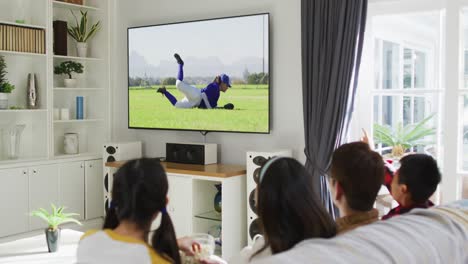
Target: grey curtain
(332, 40)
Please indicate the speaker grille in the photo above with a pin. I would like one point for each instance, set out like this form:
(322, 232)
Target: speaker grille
(110, 159)
(254, 228)
(111, 150)
(252, 201)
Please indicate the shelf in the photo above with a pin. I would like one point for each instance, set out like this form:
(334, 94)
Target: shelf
(21, 25)
(77, 121)
(77, 89)
(212, 215)
(23, 110)
(76, 58)
(4, 162)
(58, 4)
(81, 155)
(22, 53)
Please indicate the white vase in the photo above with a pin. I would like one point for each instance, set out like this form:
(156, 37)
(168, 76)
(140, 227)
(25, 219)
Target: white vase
(82, 49)
(70, 143)
(70, 83)
(3, 101)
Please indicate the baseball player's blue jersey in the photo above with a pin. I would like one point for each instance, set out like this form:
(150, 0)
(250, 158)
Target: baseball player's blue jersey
(212, 93)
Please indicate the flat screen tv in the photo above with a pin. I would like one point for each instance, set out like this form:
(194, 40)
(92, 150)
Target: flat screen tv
(207, 75)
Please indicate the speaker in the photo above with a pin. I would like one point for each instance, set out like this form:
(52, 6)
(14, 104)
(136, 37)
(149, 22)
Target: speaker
(192, 153)
(117, 152)
(255, 161)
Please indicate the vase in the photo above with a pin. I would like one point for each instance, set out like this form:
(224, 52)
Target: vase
(3, 101)
(12, 140)
(82, 49)
(217, 199)
(32, 91)
(70, 83)
(53, 239)
(70, 143)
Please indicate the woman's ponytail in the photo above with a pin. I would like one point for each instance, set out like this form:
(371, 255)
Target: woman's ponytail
(111, 221)
(164, 240)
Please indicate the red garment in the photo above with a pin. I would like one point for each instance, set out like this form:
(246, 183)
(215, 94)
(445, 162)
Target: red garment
(399, 210)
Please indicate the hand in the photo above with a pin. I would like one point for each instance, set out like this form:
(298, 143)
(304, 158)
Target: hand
(188, 246)
(365, 138)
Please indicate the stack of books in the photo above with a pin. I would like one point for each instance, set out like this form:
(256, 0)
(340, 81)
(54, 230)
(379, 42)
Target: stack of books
(22, 39)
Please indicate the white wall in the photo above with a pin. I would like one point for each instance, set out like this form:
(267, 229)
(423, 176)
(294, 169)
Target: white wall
(287, 119)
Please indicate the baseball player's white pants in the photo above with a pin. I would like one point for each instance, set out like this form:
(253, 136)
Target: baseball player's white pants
(192, 95)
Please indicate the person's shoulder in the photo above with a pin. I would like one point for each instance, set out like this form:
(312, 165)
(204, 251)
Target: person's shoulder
(155, 257)
(89, 233)
(213, 85)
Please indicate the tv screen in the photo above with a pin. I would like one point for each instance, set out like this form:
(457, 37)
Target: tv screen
(208, 75)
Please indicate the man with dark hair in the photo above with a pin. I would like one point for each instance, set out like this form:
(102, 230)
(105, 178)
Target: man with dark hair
(356, 175)
(413, 183)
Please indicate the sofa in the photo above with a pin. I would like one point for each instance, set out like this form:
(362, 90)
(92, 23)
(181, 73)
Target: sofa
(436, 235)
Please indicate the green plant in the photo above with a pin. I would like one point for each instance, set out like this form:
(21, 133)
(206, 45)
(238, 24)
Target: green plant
(402, 138)
(80, 31)
(5, 86)
(68, 67)
(56, 217)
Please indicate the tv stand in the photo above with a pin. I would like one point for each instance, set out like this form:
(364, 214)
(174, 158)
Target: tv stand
(191, 202)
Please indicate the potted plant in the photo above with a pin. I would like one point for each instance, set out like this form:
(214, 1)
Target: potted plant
(68, 67)
(402, 138)
(5, 87)
(81, 33)
(54, 219)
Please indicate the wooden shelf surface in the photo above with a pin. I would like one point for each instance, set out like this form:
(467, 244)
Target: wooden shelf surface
(212, 170)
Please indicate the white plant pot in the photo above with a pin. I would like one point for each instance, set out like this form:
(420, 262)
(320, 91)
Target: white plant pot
(3, 101)
(70, 83)
(82, 49)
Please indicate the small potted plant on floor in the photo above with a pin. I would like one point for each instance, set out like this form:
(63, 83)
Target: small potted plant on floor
(81, 33)
(5, 87)
(402, 138)
(54, 219)
(69, 67)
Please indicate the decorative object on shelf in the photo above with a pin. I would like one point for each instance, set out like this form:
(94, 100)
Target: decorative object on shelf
(20, 11)
(215, 231)
(32, 91)
(81, 34)
(70, 143)
(60, 37)
(69, 67)
(5, 87)
(403, 138)
(22, 39)
(217, 199)
(207, 248)
(64, 114)
(80, 107)
(12, 140)
(53, 220)
(56, 113)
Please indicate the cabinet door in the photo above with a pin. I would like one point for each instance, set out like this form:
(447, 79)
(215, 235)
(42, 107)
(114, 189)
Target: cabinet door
(180, 204)
(72, 187)
(94, 187)
(14, 201)
(43, 191)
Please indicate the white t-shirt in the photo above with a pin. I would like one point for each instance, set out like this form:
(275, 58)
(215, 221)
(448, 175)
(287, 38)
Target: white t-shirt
(106, 246)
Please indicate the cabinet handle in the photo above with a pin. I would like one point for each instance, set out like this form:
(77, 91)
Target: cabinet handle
(25, 172)
(34, 171)
(90, 165)
(81, 166)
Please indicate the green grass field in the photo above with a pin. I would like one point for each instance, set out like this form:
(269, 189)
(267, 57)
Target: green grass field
(149, 109)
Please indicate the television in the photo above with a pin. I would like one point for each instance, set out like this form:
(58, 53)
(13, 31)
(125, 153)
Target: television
(205, 75)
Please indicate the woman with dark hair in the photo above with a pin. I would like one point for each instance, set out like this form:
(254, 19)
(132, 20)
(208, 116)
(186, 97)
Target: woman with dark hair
(139, 195)
(288, 210)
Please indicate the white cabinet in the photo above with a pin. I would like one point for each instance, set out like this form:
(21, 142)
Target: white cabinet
(94, 207)
(72, 187)
(180, 204)
(43, 191)
(14, 201)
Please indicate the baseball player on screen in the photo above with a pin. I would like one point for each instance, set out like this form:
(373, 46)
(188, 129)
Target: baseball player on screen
(206, 98)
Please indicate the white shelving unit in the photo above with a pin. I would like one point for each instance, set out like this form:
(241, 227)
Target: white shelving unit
(43, 136)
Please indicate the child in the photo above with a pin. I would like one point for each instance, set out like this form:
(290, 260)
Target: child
(206, 98)
(138, 195)
(413, 183)
(355, 178)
